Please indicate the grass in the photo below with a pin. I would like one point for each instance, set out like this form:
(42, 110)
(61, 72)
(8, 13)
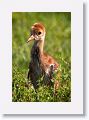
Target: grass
(57, 44)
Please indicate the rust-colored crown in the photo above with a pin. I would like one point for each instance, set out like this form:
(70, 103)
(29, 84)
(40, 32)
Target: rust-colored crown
(38, 26)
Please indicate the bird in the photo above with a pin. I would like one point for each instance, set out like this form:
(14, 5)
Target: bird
(41, 63)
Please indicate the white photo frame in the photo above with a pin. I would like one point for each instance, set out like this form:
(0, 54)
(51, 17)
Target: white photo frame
(76, 104)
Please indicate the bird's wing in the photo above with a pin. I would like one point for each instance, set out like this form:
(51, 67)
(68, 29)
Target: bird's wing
(49, 61)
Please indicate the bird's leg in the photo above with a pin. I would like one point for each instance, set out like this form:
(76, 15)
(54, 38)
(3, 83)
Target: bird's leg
(56, 85)
(56, 82)
(46, 79)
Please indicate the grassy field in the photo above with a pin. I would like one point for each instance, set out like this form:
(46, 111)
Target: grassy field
(57, 44)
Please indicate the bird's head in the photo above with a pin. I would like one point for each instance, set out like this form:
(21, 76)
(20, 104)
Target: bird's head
(37, 32)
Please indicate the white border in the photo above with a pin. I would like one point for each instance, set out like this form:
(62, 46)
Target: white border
(76, 104)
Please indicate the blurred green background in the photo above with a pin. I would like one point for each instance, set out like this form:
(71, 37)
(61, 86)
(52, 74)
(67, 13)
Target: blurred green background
(57, 44)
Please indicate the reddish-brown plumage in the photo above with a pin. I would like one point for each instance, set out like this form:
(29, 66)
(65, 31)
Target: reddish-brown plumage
(41, 64)
(38, 26)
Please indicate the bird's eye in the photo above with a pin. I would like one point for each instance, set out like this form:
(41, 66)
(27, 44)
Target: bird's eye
(39, 33)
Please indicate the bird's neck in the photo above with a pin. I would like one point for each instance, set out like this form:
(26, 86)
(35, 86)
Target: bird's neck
(39, 44)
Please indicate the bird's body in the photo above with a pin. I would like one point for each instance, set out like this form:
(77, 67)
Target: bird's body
(41, 64)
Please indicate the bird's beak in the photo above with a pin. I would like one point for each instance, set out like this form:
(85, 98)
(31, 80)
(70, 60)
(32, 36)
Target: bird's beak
(30, 39)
